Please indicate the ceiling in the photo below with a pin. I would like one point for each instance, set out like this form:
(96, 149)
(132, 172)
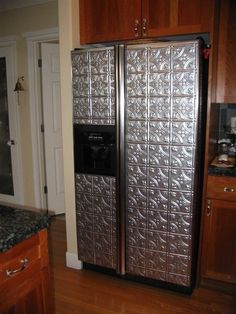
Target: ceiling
(14, 4)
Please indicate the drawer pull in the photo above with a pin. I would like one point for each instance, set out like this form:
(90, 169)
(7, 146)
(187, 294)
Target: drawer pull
(229, 189)
(10, 272)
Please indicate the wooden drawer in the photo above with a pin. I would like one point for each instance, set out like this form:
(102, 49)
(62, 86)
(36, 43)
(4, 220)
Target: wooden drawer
(223, 188)
(21, 261)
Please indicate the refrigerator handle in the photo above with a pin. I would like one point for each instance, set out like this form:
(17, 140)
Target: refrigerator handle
(120, 151)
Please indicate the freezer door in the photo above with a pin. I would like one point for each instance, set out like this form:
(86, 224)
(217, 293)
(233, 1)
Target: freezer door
(93, 82)
(161, 140)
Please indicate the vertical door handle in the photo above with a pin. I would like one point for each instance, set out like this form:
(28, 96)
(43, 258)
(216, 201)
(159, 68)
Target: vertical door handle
(136, 28)
(144, 27)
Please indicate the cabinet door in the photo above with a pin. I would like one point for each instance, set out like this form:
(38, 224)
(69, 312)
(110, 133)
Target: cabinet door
(109, 20)
(226, 73)
(219, 253)
(170, 17)
(32, 296)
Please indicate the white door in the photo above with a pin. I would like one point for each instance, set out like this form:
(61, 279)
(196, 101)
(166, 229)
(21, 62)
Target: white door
(52, 127)
(10, 150)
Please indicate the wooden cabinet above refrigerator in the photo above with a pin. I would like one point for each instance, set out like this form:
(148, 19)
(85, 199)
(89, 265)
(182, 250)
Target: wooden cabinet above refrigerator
(115, 20)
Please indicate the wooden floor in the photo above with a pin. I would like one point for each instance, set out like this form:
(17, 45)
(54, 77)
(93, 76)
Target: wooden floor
(88, 292)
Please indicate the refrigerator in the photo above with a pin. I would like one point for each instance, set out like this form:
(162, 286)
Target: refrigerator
(138, 118)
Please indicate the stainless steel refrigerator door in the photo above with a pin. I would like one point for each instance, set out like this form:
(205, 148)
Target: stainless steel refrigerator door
(93, 79)
(161, 121)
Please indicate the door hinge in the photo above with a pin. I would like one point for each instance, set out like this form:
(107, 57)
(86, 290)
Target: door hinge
(45, 189)
(40, 63)
(42, 128)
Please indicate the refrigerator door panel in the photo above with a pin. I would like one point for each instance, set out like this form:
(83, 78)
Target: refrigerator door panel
(94, 101)
(161, 123)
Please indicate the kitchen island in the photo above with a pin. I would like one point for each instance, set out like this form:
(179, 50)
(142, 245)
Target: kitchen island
(24, 263)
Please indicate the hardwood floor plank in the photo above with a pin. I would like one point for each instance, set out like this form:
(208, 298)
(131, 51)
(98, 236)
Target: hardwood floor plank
(88, 292)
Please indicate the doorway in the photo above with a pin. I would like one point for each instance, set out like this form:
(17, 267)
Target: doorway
(44, 94)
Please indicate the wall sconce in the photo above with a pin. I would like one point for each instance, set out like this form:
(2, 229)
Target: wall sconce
(19, 87)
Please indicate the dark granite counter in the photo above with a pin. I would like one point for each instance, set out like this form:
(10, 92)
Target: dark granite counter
(17, 225)
(217, 171)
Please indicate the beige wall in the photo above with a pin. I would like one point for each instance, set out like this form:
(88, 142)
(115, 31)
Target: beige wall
(15, 23)
(69, 39)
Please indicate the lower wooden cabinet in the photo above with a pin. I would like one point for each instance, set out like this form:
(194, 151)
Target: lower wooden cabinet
(219, 238)
(25, 279)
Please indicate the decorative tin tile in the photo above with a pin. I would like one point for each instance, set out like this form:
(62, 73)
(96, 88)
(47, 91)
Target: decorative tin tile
(182, 157)
(137, 176)
(178, 279)
(136, 256)
(136, 61)
(184, 58)
(158, 178)
(183, 133)
(183, 83)
(137, 217)
(159, 132)
(179, 244)
(159, 155)
(157, 220)
(156, 260)
(137, 154)
(181, 201)
(136, 85)
(183, 108)
(158, 199)
(181, 179)
(180, 224)
(159, 59)
(159, 84)
(137, 131)
(159, 108)
(80, 63)
(81, 86)
(157, 241)
(136, 237)
(137, 108)
(137, 197)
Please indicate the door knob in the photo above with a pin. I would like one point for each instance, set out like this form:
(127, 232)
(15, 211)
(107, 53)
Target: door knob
(10, 142)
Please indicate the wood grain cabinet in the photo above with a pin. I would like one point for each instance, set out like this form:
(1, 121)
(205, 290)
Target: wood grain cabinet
(24, 277)
(219, 244)
(226, 59)
(114, 20)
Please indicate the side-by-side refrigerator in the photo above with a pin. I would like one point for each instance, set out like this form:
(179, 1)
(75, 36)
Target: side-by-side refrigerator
(138, 153)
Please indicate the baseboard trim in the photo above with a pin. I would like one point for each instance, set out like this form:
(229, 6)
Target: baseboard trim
(72, 261)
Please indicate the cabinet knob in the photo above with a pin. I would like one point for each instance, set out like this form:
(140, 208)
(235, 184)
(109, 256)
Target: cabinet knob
(226, 189)
(136, 28)
(144, 28)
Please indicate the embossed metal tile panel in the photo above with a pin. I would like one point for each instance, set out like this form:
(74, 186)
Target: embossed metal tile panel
(93, 80)
(161, 122)
(96, 219)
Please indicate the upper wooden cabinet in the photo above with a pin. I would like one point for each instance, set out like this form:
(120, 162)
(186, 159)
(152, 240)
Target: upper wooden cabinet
(172, 17)
(109, 20)
(112, 20)
(226, 60)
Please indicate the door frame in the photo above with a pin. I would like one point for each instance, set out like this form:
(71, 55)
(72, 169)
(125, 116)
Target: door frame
(34, 39)
(18, 197)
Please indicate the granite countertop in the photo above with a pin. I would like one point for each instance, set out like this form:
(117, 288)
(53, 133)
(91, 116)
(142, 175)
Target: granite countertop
(17, 225)
(217, 171)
